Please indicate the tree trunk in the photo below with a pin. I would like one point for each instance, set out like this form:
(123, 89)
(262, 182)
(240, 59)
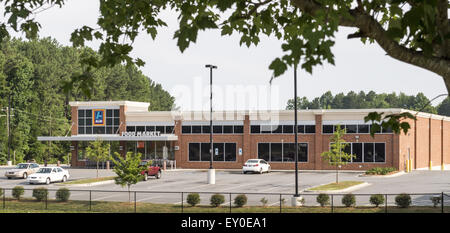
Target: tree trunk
(129, 194)
(337, 176)
(97, 169)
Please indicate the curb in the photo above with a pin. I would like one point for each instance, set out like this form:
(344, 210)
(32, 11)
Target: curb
(88, 184)
(349, 189)
(385, 176)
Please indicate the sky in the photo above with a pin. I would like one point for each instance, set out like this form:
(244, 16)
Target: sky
(241, 81)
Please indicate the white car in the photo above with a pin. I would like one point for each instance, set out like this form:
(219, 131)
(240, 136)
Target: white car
(47, 175)
(256, 165)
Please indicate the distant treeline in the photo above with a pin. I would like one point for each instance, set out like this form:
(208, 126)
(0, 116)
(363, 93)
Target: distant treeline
(361, 100)
(32, 74)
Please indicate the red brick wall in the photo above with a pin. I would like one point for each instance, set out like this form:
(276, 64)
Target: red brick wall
(74, 129)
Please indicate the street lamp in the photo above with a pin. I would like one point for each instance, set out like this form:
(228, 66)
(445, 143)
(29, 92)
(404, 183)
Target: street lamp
(211, 172)
(296, 198)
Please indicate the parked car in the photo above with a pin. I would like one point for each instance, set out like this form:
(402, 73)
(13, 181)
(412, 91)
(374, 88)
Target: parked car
(22, 170)
(150, 169)
(256, 165)
(47, 175)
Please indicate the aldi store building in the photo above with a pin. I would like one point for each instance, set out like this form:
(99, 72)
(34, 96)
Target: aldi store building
(242, 135)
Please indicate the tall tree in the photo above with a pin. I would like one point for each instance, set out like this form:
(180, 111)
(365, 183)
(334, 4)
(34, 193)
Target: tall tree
(98, 151)
(128, 170)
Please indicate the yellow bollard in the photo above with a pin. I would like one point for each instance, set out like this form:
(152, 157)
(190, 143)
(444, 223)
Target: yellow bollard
(442, 166)
(431, 165)
(407, 165)
(410, 165)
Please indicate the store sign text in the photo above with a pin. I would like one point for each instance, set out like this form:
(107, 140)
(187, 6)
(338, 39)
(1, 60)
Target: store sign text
(142, 134)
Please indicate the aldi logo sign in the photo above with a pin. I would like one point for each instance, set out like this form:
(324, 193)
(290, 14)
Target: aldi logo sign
(98, 117)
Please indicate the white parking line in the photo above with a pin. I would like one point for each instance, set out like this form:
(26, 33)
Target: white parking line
(144, 199)
(101, 198)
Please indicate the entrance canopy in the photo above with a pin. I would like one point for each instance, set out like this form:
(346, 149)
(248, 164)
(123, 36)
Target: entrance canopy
(161, 137)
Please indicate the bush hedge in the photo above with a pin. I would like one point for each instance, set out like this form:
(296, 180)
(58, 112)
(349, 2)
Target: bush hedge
(17, 192)
(403, 200)
(348, 200)
(193, 199)
(376, 199)
(63, 194)
(380, 170)
(217, 199)
(240, 200)
(323, 199)
(40, 193)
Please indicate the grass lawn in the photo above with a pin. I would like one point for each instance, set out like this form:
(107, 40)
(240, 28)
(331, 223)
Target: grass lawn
(336, 186)
(53, 206)
(87, 181)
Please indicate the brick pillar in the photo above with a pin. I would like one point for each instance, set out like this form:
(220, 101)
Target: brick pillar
(179, 152)
(317, 160)
(246, 148)
(74, 159)
(74, 129)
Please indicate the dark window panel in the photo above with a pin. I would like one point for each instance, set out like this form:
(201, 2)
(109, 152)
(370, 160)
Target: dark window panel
(109, 130)
(380, 152)
(387, 130)
(169, 129)
(267, 129)
(150, 128)
(140, 128)
(327, 129)
(288, 152)
(255, 129)
(81, 122)
(206, 129)
(264, 151)
(115, 130)
(81, 113)
(88, 113)
(357, 152)
(80, 130)
(363, 128)
(195, 129)
(205, 154)
(288, 129)
(131, 129)
(88, 121)
(220, 156)
(88, 130)
(116, 113)
(109, 113)
(194, 151)
(116, 121)
(109, 121)
(277, 129)
(347, 149)
(301, 128)
(228, 129)
(217, 128)
(310, 129)
(159, 129)
(276, 152)
(303, 152)
(99, 130)
(230, 151)
(368, 153)
(351, 128)
(238, 129)
(186, 129)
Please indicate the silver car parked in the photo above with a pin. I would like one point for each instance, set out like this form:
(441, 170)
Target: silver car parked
(22, 170)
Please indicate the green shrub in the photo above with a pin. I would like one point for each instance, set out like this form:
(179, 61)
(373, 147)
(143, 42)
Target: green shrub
(323, 199)
(63, 194)
(1, 192)
(217, 199)
(193, 199)
(403, 200)
(376, 199)
(380, 170)
(17, 192)
(348, 200)
(436, 201)
(264, 201)
(240, 200)
(40, 193)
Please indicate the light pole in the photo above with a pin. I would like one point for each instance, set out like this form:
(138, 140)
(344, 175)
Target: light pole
(211, 172)
(296, 198)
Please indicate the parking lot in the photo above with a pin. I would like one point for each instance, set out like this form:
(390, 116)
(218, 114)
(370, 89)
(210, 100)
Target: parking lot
(233, 181)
